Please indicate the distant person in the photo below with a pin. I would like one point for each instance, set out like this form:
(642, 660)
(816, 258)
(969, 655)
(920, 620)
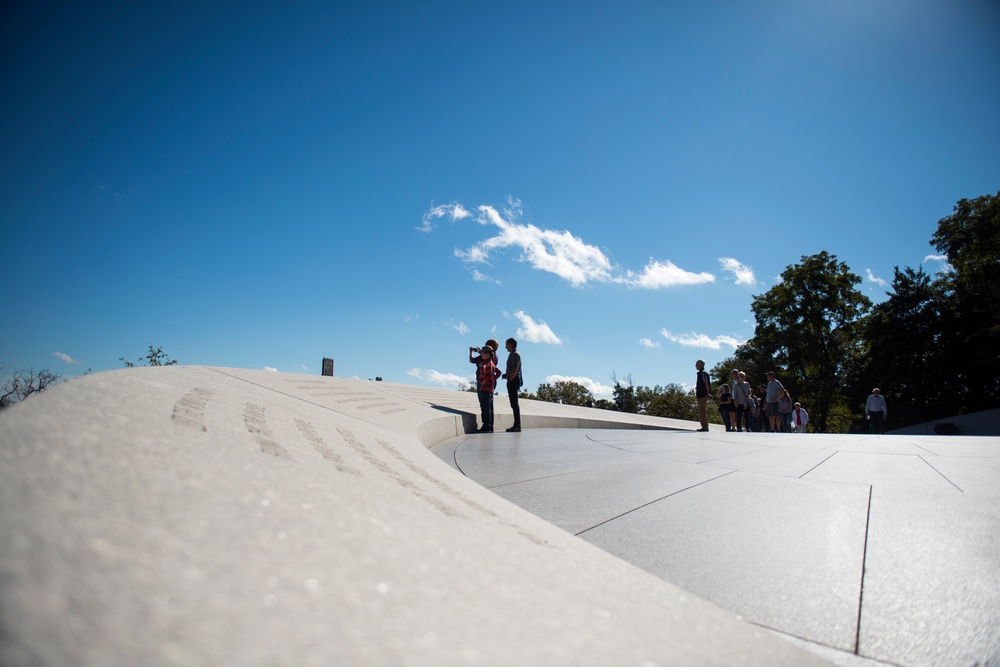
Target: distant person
(762, 423)
(785, 407)
(486, 383)
(702, 392)
(799, 418)
(514, 382)
(741, 399)
(773, 393)
(876, 411)
(725, 399)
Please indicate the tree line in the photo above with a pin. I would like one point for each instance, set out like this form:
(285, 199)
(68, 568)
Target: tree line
(931, 346)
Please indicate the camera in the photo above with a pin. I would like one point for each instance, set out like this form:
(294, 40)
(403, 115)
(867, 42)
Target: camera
(475, 349)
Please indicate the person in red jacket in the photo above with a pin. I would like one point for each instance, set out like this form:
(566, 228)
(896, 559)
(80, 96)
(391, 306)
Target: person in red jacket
(486, 383)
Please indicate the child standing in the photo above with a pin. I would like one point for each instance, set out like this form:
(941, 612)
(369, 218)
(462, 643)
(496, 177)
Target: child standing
(486, 383)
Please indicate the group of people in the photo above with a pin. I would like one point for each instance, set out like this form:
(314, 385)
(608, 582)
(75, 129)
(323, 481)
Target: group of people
(771, 409)
(487, 375)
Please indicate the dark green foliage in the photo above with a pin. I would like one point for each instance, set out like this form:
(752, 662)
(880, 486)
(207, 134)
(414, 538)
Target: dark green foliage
(565, 392)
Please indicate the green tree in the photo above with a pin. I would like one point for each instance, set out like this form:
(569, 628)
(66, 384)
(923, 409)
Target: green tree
(155, 357)
(808, 325)
(903, 353)
(970, 237)
(566, 392)
(625, 395)
(675, 402)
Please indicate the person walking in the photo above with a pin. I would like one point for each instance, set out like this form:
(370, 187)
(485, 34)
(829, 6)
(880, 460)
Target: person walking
(486, 383)
(514, 382)
(771, 396)
(702, 392)
(876, 411)
(741, 393)
(799, 418)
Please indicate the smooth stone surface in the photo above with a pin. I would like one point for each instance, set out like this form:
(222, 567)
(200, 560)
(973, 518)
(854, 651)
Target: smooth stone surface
(867, 550)
(209, 516)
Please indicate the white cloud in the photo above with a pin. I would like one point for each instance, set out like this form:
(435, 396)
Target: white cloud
(645, 342)
(875, 279)
(743, 273)
(268, 368)
(460, 327)
(657, 275)
(946, 267)
(65, 357)
(481, 277)
(535, 332)
(453, 211)
(595, 388)
(557, 252)
(443, 379)
(700, 340)
(303, 367)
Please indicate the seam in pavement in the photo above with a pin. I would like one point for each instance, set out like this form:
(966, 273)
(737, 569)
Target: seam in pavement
(651, 502)
(931, 465)
(864, 567)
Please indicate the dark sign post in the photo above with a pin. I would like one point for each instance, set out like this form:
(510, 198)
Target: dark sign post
(327, 366)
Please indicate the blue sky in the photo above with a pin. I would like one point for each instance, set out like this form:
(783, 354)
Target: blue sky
(263, 185)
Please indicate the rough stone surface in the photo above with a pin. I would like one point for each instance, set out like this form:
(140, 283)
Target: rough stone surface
(209, 516)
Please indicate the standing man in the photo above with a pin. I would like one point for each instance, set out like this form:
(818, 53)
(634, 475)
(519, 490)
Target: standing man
(514, 382)
(876, 411)
(799, 418)
(702, 390)
(771, 399)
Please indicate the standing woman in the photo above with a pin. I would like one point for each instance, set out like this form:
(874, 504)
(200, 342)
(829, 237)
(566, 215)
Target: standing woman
(725, 405)
(785, 407)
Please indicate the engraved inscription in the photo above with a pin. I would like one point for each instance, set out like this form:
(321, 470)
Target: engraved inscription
(256, 423)
(189, 411)
(434, 502)
(310, 434)
(458, 495)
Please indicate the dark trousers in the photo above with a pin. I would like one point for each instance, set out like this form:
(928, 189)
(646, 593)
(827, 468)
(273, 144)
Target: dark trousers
(742, 418)
(877, 424)
(512, 389)
(486, 407)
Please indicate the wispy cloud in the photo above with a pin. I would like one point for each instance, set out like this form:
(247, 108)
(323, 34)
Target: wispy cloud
(268, 368)
(481, 277)
(875, 279)
(744, 274)
(645, 342)
(443, 379)
(459, 326)
(558, 252)
(535, 332)
(594, 387)
(946, 266)
(453, 211)
(65, 357)
(700, 340)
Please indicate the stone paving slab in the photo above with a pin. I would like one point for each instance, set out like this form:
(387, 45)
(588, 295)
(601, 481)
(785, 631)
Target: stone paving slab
(208, 516)
(867, 550)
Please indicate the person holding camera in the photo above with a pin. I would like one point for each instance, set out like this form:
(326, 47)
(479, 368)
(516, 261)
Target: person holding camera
(486, 383)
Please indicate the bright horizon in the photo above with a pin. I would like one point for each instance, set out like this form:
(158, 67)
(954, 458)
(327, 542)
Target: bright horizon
(389, 185)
